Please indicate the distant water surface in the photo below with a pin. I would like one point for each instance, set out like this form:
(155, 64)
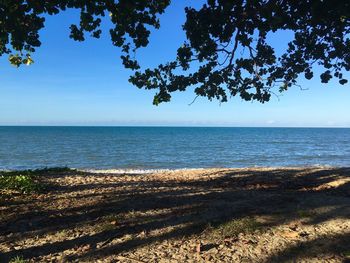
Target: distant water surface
(171, 147)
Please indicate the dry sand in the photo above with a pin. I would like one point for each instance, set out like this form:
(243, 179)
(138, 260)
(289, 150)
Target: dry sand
(213, 215)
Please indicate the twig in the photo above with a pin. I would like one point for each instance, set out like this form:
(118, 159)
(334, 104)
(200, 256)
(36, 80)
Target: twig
(109, 240)
(193, 100)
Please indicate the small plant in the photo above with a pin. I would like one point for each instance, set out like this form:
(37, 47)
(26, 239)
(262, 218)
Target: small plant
(18, 259)
(62, 234)
(235, 227)
(24, 182)
(347, 254)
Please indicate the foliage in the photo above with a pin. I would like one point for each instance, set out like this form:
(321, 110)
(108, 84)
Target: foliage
(18, 259)
(347, 254)
(22, 182)
(237, 226)
(227, 51)
(20, 22)
(28, 181)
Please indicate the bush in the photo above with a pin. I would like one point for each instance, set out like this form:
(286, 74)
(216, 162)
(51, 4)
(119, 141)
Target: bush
(23, 182)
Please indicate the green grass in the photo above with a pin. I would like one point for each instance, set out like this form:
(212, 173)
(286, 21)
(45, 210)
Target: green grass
(236, 226)
(62, 234)
(347, 254)
(18, 259)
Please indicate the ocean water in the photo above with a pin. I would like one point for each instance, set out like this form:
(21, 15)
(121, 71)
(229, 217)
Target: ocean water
(143, 148)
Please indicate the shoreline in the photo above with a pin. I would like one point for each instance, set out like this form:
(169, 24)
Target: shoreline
(202, 215)
(161, 170)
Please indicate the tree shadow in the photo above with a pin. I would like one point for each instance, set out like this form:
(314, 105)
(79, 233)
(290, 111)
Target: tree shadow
(329, 245)
(104, 215)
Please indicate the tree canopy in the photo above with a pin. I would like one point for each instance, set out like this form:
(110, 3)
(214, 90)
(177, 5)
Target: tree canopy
(226, 52)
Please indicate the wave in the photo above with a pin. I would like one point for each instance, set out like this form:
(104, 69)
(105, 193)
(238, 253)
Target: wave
(139, 171)
(150, 171)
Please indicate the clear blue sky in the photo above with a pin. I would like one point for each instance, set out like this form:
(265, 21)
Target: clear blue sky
(74, 83)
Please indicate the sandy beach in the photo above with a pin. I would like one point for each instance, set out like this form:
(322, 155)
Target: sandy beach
(208, 215)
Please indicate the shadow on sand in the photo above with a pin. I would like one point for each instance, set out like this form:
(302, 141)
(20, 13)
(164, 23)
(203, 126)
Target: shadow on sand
(99, 218)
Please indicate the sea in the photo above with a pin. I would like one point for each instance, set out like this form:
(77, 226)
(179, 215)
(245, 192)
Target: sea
(160, 148)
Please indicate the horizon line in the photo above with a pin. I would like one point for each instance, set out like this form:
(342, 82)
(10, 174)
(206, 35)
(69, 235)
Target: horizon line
(170, 126)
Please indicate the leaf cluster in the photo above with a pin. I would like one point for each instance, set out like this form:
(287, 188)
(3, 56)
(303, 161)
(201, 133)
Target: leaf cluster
(21, 20)
(227, 51)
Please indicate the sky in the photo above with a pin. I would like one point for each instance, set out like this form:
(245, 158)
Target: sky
(84, 83)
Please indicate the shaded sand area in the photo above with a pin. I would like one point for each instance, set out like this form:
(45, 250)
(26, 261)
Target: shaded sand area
(213, 215)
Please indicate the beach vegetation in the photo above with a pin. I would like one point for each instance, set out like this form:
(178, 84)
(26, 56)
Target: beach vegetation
(27, 181)
(234, 227)
(23, 182)
(18, 259)
(347, 254)
(62, 234)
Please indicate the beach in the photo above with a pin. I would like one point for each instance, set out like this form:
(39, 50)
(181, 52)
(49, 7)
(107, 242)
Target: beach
(174, 131)
(203, 215)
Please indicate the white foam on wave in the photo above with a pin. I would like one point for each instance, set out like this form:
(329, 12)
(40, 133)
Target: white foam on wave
(151, 171)
(137, 171)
